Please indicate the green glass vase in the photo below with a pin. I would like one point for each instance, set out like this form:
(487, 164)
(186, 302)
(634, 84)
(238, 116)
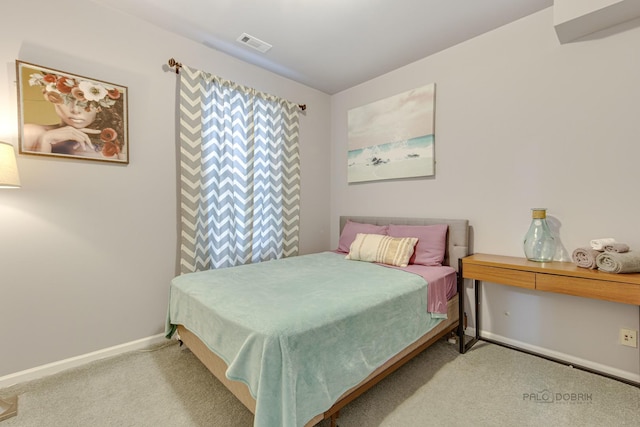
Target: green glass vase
(539, 243)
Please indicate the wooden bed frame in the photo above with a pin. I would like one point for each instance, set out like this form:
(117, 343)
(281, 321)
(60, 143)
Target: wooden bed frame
(457, 248)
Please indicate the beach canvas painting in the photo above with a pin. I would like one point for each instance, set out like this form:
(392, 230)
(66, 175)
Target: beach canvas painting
(392, 138)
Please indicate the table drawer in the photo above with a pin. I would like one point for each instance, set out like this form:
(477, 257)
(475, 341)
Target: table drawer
(503, 276)
(626, 293)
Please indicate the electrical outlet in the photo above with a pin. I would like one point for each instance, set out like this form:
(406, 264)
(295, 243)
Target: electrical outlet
(629, 337)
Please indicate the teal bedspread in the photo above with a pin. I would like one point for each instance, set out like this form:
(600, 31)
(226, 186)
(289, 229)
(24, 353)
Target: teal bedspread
(301, 331)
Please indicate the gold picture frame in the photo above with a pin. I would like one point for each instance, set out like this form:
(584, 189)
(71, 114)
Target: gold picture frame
(71, 116)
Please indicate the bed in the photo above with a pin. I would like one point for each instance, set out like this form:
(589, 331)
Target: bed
(297, 339)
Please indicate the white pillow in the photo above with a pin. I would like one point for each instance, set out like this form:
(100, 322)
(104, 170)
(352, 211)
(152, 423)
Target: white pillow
(383, 249)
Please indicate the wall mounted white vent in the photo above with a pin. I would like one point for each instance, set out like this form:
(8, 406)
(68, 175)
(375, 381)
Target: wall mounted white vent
(254, 42)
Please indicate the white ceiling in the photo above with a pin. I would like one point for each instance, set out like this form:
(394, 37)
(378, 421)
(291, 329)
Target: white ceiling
(330, 45)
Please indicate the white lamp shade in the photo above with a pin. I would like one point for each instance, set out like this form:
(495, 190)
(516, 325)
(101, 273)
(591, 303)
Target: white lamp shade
(9, 177)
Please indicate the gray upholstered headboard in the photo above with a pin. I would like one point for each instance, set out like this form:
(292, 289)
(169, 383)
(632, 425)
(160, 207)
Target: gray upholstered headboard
(457, 236)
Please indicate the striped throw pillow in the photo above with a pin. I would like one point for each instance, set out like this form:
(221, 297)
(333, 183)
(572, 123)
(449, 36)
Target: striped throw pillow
(383, 249)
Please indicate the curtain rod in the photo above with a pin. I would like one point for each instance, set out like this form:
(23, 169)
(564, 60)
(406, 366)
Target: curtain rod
(177, 65)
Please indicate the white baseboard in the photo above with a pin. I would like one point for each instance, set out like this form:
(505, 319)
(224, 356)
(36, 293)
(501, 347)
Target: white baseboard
(63, 365)
(572, 360)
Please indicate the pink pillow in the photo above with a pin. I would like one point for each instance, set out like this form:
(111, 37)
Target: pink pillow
(432, 242)
(352, 228)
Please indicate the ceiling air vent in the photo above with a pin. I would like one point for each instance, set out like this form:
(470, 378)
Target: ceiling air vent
(254, 43)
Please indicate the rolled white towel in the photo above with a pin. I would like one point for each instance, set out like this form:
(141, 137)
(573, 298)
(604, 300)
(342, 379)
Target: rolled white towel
(599, 244)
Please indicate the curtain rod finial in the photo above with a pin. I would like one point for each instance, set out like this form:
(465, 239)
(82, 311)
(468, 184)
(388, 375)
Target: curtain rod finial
(173, 63)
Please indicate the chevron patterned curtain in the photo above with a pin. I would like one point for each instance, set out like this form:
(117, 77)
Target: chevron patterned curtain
(239, 171)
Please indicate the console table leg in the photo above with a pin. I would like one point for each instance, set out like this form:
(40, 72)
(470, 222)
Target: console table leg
(476, 299)
(466, 345)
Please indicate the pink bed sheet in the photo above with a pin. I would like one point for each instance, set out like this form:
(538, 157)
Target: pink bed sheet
(442, 285)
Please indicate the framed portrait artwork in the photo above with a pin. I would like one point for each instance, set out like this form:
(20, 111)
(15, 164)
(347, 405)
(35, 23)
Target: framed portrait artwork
(66, 115)
(392, 138)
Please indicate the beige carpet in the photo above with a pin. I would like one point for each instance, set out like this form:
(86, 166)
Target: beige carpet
(488, 386)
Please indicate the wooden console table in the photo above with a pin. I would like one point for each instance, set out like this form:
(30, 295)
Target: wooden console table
(559, 277)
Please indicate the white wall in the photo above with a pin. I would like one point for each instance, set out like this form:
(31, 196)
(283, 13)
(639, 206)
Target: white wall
(523, 121)
(87, 249)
